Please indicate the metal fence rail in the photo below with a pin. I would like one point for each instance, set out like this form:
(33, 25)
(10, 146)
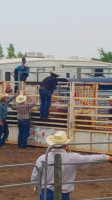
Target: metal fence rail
(103, 198)
(78, 108)
(23, 184)
(90, 116)
(57, 174)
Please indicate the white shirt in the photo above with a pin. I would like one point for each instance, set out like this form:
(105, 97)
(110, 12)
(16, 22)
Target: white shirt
(68, 171)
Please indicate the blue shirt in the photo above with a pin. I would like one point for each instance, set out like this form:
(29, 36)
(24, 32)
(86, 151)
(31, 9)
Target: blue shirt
(3, 108)
(24, 72)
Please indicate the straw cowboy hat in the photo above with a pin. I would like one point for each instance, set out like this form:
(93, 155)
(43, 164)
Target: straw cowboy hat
(58, 137)
(55, 73)
(20, 98)
(3, 96)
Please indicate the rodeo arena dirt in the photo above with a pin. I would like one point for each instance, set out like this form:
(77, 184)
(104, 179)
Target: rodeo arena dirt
(80, 109)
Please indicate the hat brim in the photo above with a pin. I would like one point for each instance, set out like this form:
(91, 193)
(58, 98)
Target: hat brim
(50, 141)
(18, 100)
(54, 73)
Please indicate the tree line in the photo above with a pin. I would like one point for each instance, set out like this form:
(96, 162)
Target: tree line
(11, 52)
(103, 56)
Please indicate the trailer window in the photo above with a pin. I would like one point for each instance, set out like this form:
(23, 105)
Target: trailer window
(67, 75)
(7, 76)
(98, 72)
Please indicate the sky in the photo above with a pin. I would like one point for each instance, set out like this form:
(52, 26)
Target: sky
(62, 28)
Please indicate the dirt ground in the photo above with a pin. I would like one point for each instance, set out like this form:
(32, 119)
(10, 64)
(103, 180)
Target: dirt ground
(12, 155)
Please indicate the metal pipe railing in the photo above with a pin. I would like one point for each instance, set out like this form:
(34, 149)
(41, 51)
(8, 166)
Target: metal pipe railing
(27, 183)
(45, 165)
(103, 198)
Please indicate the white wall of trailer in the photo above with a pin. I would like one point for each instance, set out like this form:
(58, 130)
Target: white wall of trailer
(65, 67)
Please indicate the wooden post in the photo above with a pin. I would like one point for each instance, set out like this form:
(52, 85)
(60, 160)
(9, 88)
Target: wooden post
(57, 177)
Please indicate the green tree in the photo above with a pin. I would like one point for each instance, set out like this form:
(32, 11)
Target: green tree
(25, 55)
(11, 51)
(105, 57)
(95, 59)
(20, 55)
(1, 52)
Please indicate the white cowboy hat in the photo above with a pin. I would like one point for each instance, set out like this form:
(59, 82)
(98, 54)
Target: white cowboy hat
(58, 137)
(3, 96)
(110, 97)
(54, 72)
(20, 98)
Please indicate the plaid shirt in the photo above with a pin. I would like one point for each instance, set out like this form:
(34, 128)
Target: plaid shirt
(23, 110)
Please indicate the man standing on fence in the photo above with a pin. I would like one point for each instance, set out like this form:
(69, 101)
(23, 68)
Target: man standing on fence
(46, 89)
(68, 171)
(21, 72)
(3, 115)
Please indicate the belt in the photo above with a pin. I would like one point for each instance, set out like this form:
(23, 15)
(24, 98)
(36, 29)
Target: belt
(44, 88)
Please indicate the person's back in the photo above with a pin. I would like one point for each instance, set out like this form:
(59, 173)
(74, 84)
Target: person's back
(23, 109)
(69, 170)
(49, 83)
(66, 158)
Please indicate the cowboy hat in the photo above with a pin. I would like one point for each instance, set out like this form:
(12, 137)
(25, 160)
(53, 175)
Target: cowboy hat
(3, 96)
(20, 98)
(55, 73)
(110, 97)
(58, 137)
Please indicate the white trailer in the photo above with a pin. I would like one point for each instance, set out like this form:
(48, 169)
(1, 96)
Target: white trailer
(40, 67)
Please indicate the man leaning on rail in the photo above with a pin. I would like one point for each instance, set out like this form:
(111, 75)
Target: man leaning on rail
(46, 89)
(3, 115)
(68, 171)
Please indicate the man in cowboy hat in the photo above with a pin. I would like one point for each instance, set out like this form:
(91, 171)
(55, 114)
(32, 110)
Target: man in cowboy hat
(68, 171)
(23, 116)
(3, 115)
(46, 89)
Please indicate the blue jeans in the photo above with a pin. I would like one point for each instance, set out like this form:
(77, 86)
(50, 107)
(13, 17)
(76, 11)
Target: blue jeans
(45, 98)
(24, 127)
(50, 195)
(23, 76)
(3, 132)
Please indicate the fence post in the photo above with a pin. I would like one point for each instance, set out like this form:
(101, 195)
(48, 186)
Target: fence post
(57, 177)
(78, 74)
